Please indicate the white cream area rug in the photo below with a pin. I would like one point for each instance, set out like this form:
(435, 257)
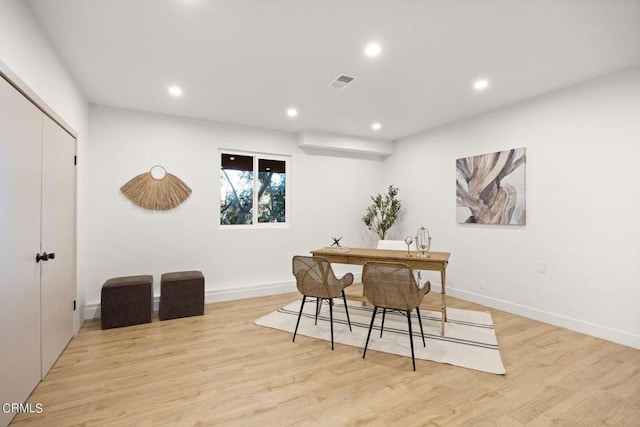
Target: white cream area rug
(469, 340)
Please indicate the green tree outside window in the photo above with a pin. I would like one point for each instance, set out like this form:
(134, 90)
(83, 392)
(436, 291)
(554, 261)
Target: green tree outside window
(239, 183)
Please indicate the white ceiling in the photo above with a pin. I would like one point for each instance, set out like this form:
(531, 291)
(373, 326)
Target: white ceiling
(247, 61)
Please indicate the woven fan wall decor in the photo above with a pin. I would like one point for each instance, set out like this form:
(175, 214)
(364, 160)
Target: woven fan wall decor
(156, 190)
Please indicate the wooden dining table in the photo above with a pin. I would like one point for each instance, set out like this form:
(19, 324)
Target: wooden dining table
(432, 261)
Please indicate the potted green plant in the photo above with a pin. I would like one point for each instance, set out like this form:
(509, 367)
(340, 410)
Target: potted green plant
(383, 212)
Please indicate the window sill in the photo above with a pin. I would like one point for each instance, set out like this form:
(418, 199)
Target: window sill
(264, 226)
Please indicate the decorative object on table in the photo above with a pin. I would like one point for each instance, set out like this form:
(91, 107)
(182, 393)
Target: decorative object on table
(335, 250)
(423, 241)
(383, 213)
(491, 187)
(408, 240)
(156, 190)
(336, 242)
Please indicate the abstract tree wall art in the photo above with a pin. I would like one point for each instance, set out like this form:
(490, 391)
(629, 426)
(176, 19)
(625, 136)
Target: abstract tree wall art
(490, 188)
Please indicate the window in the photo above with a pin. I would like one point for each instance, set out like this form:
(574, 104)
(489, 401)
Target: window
(253, 189)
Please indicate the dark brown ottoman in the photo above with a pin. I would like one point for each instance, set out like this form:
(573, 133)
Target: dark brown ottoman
(181, 294)
(126, 301)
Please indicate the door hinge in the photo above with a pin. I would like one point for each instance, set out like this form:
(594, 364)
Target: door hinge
(74, 305)
(75, 160)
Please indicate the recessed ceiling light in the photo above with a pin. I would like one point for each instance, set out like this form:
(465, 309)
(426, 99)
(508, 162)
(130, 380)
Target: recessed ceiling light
(372, 50)
(481, 84)
(175, 91)
(292, 112)
(376, 126)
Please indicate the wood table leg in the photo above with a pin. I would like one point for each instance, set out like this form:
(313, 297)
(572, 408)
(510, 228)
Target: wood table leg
(443, 293)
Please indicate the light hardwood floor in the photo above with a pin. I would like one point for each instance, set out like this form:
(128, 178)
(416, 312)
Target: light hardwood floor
(221, 369)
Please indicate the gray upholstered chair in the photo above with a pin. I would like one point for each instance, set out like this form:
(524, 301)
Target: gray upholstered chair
(315, 278)
(392, 286)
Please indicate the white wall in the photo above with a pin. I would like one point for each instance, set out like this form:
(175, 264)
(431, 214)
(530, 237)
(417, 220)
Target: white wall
(582, 197)
(26, 53)
(329, 196)
(583, 207)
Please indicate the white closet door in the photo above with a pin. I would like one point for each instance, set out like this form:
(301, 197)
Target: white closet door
(58, 287)
(20, 172)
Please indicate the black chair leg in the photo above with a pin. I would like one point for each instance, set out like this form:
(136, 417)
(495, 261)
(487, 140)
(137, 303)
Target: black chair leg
(421, 330)
(373, 316)
(331, 320)
(317, 309)
(304, 297)
(384, 311)
(344, 298)
(413, 359)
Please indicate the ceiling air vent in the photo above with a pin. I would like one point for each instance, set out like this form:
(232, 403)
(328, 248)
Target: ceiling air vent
(341, 81)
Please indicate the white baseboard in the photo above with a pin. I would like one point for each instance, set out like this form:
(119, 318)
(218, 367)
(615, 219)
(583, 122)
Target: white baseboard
(588, 328)
(229, 294)
(92, 310)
